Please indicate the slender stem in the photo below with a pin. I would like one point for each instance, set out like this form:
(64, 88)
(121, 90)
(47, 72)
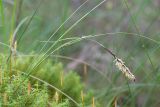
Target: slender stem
(109, 51)
(3, 21)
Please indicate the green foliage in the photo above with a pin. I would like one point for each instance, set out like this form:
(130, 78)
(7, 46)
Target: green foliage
(63, 104)
(141, 53)
(52, 74)
(14, 93)
(14, 89)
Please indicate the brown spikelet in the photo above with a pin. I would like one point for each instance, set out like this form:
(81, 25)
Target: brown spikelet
(125, 70)
(29, 88)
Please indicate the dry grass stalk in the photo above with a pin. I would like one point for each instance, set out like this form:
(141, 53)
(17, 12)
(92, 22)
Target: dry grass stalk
(85, 69)
(14, 49)
(93, 102)
(125, 70)
(13, 44)
(82, 98)
(115, 102)
(29, 88)
(5, 98)
(56, 97)
(1, 81)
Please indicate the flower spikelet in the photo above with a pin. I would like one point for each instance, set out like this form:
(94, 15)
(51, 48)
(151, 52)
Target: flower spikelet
(125, 70)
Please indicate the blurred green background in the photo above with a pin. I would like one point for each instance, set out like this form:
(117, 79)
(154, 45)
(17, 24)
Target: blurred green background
(133, 27)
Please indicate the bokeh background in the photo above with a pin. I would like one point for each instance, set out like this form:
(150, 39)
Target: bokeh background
(131, 29)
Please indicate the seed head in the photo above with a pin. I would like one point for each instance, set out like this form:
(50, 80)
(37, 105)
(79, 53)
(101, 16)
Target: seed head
(125, 70)
(56, 96)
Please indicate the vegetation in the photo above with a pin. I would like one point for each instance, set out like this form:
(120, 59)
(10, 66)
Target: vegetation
(64, 53)
(50, 87)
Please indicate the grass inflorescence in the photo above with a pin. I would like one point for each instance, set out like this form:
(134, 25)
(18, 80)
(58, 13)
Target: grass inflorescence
(47, 56)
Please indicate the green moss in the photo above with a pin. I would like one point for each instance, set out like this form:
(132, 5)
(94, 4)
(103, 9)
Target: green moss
(14, 93)
(16, 88)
